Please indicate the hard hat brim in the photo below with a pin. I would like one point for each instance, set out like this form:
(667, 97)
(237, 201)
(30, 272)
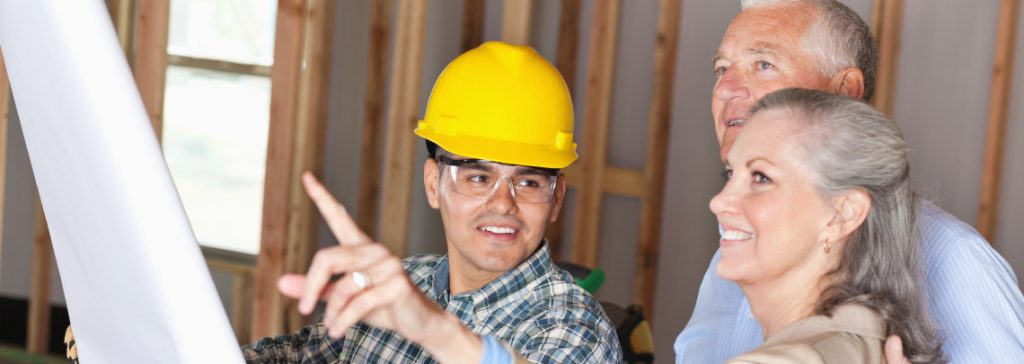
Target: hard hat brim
(502, 151)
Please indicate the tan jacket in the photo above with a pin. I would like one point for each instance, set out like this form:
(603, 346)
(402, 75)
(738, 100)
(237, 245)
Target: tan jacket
(854, 334)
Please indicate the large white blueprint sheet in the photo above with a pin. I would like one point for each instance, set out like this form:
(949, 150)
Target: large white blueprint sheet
(136, 285)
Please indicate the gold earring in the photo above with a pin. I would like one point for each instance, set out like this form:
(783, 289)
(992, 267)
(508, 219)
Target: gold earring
(828, 246)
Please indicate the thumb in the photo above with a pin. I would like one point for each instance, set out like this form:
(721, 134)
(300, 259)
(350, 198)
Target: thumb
(894, 350)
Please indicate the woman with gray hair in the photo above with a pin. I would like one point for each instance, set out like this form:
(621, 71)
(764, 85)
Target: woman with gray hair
(818, 230)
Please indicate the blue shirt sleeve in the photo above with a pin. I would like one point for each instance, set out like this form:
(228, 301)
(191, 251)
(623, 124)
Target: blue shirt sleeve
(972, 292)
(494, 352)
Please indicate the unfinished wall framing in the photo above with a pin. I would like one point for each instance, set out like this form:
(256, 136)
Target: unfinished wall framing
(998, 112)
(297, 122)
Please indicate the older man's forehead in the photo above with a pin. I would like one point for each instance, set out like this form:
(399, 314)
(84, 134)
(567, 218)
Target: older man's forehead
(759, 48)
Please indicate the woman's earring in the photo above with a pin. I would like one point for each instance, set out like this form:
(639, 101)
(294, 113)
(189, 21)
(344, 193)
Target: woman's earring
(828, 246)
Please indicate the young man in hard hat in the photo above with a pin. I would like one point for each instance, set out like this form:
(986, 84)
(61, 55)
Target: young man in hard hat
(498, 129)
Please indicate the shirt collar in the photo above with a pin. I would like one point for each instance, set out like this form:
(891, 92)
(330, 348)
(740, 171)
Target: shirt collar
(523, 275)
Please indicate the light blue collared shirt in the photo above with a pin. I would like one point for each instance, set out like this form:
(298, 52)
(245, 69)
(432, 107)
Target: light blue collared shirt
(973, 297)
(494, 352)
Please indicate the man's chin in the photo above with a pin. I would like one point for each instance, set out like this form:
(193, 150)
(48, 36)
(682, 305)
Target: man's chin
(497, 263)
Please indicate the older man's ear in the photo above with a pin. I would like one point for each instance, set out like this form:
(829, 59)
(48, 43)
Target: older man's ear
(848, 82)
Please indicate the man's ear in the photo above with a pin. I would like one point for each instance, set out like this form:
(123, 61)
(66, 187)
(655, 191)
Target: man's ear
(431, 182)
(851, 209)
(558, 198)
(848, 82)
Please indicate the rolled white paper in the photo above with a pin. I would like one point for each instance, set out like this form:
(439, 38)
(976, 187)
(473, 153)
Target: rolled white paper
(136, 285)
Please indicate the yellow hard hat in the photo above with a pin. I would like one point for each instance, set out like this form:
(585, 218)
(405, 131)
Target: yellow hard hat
(502, 103)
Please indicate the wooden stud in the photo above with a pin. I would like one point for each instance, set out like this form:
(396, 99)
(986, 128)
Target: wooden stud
(370, 163)
(314, 85)
(39, 299)
(5, 103)
(595, 133)
(1002, 77)
(568, 41)
(153, 19)
(268, 305)
(472, 23)
(122, 13)
(402, 117)
(241, 266)
(565, 61)
(886, 23)
(657, 156)
(515, 24)
(241, 307)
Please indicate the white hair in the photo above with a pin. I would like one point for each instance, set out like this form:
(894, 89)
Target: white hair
(838, 39)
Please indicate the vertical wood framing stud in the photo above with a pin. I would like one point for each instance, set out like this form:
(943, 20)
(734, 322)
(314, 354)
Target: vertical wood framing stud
(150, 61)
(1002, 77)
(595, 117)
(370, 163)
(657, 156)
(403, 106)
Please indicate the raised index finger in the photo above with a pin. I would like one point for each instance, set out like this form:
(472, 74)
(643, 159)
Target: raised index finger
(337, 217)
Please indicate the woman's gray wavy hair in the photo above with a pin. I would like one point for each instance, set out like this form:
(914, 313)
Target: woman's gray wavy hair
(850, 145)
(838, 39)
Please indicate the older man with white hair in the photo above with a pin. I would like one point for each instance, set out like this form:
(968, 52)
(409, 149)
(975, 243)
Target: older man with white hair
(973, 295)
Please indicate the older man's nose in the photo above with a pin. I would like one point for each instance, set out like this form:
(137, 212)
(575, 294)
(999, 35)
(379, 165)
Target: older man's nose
(731, 85)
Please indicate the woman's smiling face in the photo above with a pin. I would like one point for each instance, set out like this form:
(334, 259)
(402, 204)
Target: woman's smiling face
(771, 214)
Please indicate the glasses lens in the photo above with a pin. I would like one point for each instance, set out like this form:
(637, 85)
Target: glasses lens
(481, 180)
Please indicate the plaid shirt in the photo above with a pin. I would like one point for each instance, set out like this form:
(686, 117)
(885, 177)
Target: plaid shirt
(536, 308)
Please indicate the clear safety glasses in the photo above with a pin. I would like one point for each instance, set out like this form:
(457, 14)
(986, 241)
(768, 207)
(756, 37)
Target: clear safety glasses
(479, 179)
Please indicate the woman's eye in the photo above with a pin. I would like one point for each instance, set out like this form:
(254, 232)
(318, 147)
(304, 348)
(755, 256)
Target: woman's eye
(760, 178)
(727, 174)
(764, 66)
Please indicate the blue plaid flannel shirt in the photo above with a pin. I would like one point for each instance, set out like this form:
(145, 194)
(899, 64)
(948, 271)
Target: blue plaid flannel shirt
(536, 308)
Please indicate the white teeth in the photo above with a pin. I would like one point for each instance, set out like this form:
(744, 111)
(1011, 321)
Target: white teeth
(498, 230)
(736, 235)
(736, 122)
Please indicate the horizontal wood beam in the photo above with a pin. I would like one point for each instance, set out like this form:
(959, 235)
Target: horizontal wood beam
(219, 65)
(615, 180)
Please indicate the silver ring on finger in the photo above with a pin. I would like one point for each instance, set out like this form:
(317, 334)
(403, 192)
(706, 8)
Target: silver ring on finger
(362, 280)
